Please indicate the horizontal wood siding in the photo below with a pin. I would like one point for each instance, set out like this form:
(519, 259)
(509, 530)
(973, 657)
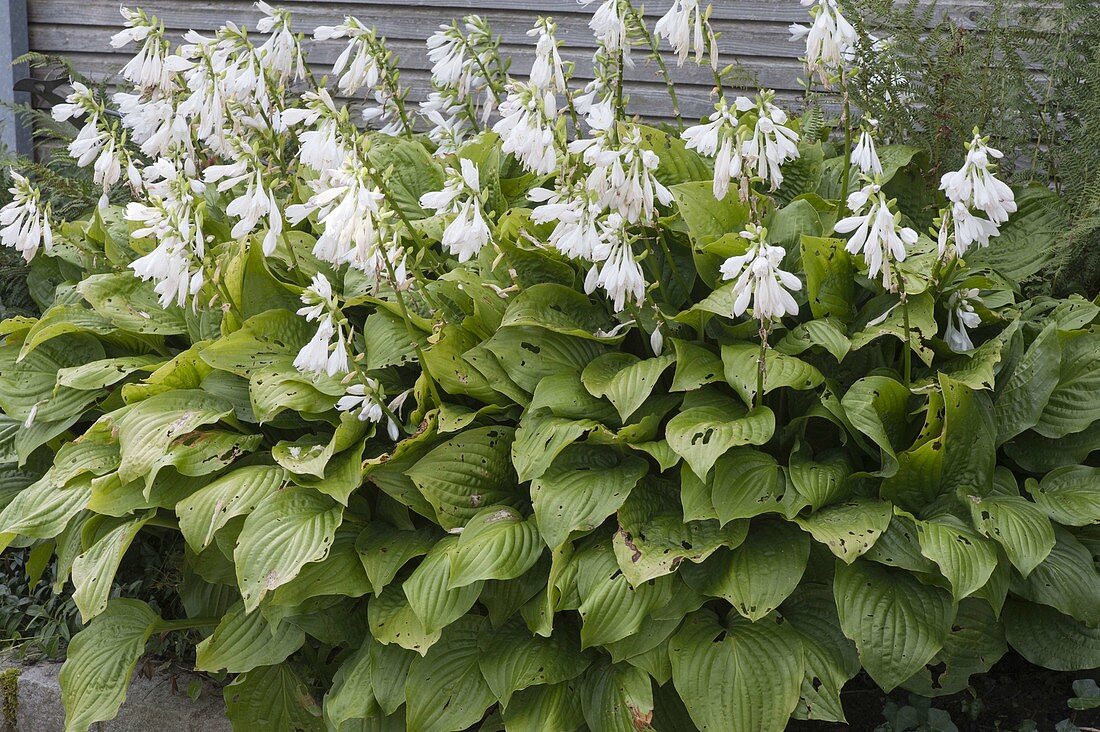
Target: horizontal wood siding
(752, 32)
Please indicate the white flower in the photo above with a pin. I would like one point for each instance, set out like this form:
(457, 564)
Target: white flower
(577, 211)
(359, 64)
(975, 186)
(25, 220)
(468, 231)
(449, 124)
(617, 271)
(527, 122)
(828, 41)
(759, 281)
(960, 316)
(657, 340)
(317, 299)
(878, 234)
(280, 53)
(864, 155)
(148, 69)
(719, 138)
(964, 229)
(771, 144)
(314, 356)
(686, 28)
(623, 174)
(366, 398)
(547, 70)
(608, 24)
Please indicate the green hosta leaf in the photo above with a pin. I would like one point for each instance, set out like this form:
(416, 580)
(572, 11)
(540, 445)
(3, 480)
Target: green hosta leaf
(94, 570)
(540, 439)
(557, 308)
(897, 623)
(62, 319)
(1023, 396)
(707, 219)
(653, 539)
(822, 481)
(965, 558)
(243, 642)
(969, 438)
(43, 509)
(466, 473)
(564, 395)
(830, 277)
(1037, 454)
(831, 658)
(583, 486)
(877, 406)
(263, 340)
(610, 608)
(701, 435)
(512, 658)
(745, 483)
(758, 575)
(445, 691)
(236, 493)
(677, 164)
(554, 708)
(1071, 407)
(1022, 248)
(741, 677)
(428, 590)
(271, 697)
(286, 530)
(410, 171)
(529, 354)
(742, 364)
(352, 696)
(100, 661)
(275, 388)
(147, 431)
(105, 372)
(496, 544)
(131, 304)
(975, 643)
(393, 621)
(624, 379)
(1067, 580)
(1070, 496)
(29, 384)
(826, 333)
(1016, 524)
(1050, 639)
(849, 529)
(384, 550)
(617, 698)
(885, 316)
(696, 365)
(340, 573)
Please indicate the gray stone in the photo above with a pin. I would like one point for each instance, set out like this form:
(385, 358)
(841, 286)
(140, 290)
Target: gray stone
(153, 703)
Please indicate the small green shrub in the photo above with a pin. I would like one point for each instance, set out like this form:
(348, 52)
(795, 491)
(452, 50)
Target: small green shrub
(576, 429)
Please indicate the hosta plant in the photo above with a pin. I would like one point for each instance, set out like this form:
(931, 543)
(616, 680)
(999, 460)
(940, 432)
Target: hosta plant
(511, 411)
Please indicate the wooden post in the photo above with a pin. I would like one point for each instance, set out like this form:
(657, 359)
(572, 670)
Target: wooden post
(15, 136)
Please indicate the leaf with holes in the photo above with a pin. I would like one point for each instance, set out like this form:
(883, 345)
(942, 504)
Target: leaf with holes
(496, 544)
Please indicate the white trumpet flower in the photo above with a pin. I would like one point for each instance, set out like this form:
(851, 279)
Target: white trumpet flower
(960, 317)
(547, 70)
(878, 233)
(148, 69)
(577, 212)
(616, 270)
(975, 185)
(623, 174)
(759, 282)
(686, 28)
(829, 39)
(365, 398)
(314, 355)
(468, 231)
(720, 137)
(527, 122)
(25, 220)
(864, 155)
(771, 144)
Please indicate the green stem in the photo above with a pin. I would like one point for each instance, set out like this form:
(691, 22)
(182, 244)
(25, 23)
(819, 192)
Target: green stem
(410, 328)
(718, 84)
(907, 357)
(846, 170)
(761, 367)
(655, 49)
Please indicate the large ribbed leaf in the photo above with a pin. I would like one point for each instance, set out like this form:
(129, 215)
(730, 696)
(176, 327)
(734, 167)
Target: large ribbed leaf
(1050, 639)
(741, 677)
(877, 406)
(529, 354)
(822, 479)
(271, 698)
(701, 435)
(29, 383)
(897, 623)
(512, 658)
(624, 379)
(830, 277)
(653, 539)
(758, 575)
(43, 510)
(265, 339)
(147, 431)
(393, 620)
(352, 694)
(100, 661)
(741, 362)
(1023, 397)
(428, 589)
(496, 544)
(1071, 406)
(384, 549)
(131, 304)
(744, 483)
(94, 570)
(558, 308)
(617, 698)
(466, 473)
(244, 641)
(236, 493)
(554, 708)
(581, 488)
(1067, 580)
(107, 371)
(540, 439)
(340, 573)
(445, 691)
(831, 658)
(964, 557)
(975, 643)
(970, 438)
(849, 529)
(1016, 524)
(1070, 495)
(610, 608)
(289, 528)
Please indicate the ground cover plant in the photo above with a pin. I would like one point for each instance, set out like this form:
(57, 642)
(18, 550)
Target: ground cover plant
(512, 411)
